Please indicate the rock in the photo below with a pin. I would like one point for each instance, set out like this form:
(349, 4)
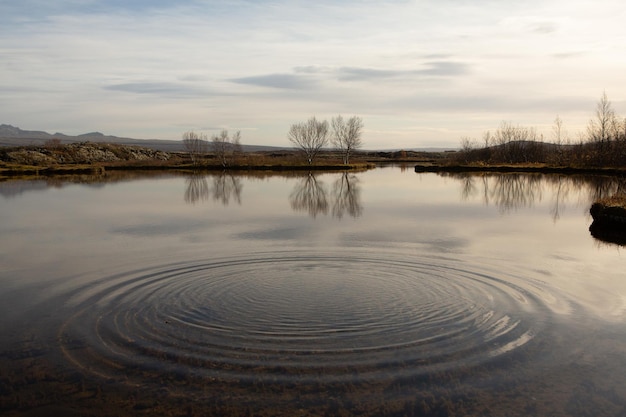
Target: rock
(609, 211)
(609, 220)
(30, 157)
(81, 153)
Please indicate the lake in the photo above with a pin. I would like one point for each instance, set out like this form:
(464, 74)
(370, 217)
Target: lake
(384, 292)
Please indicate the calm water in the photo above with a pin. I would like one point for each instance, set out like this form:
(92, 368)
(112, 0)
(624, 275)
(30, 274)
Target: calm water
(378, 293)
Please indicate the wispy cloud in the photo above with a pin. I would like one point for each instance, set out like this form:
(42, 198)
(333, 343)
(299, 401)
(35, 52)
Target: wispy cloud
(161, 89)
(286, 81)
(435, 69)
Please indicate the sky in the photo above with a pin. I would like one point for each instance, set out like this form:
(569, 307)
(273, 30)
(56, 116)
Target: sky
(420, 73)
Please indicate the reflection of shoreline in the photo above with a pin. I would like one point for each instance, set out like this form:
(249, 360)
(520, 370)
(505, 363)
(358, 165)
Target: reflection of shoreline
(310, 195)
(17, 186)
(510, 192)
(225, 187)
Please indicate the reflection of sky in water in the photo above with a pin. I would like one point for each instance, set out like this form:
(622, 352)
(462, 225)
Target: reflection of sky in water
(403, 266)
(280, 233)
(165, 228)
(74, 226)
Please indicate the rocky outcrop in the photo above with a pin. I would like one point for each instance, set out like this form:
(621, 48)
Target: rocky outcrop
(609, 220)
(80, 153)
(610, 211)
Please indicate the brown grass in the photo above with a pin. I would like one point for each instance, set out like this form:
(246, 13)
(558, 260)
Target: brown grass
(617, 200)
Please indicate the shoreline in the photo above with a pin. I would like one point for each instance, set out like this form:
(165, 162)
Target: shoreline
(98, 158)
(17, 170)
(100, 169)
(542, 169)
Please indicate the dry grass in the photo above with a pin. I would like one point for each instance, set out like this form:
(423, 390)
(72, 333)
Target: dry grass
(617, 200)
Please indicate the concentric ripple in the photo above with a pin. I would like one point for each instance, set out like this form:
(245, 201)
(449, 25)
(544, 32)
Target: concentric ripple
(298, 315)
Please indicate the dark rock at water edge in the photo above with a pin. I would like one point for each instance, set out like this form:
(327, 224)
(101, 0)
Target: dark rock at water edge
(609, 222)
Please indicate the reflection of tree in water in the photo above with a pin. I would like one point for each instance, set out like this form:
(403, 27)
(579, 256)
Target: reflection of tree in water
(604, 187)
(511, 192)
(561, 192)
(508, 191)
(589, 188)
(514, 191)
(347, 196)
(309, 195)
(224, 188)
(197, 188)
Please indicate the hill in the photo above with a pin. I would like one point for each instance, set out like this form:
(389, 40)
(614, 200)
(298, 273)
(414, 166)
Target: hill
(14, 136)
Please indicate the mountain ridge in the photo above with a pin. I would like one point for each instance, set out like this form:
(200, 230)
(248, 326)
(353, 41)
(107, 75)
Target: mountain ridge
(14, 136)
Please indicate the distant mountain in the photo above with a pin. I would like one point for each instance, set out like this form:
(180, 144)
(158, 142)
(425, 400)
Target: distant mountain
(8, 131)
(14, 136)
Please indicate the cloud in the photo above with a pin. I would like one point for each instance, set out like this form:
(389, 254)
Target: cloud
(281, 81)
(566, 55)
(444, 68)
(364, 74)
(313, 69)
(162, 89)
(494, 103)
(429, 68)
(435, 69)
(543, 27)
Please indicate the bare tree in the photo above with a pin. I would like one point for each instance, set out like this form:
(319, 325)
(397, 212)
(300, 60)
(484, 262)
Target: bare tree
(195, 144)
(558, 132)
(487, 139)
(559, 135)
(53, 143)
(226, 148)
(515, 144)
(468, 147)
(600, 128)
(310, 137)
(347, 135)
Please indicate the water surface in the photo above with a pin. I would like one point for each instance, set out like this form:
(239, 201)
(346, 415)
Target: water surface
(378, 293)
